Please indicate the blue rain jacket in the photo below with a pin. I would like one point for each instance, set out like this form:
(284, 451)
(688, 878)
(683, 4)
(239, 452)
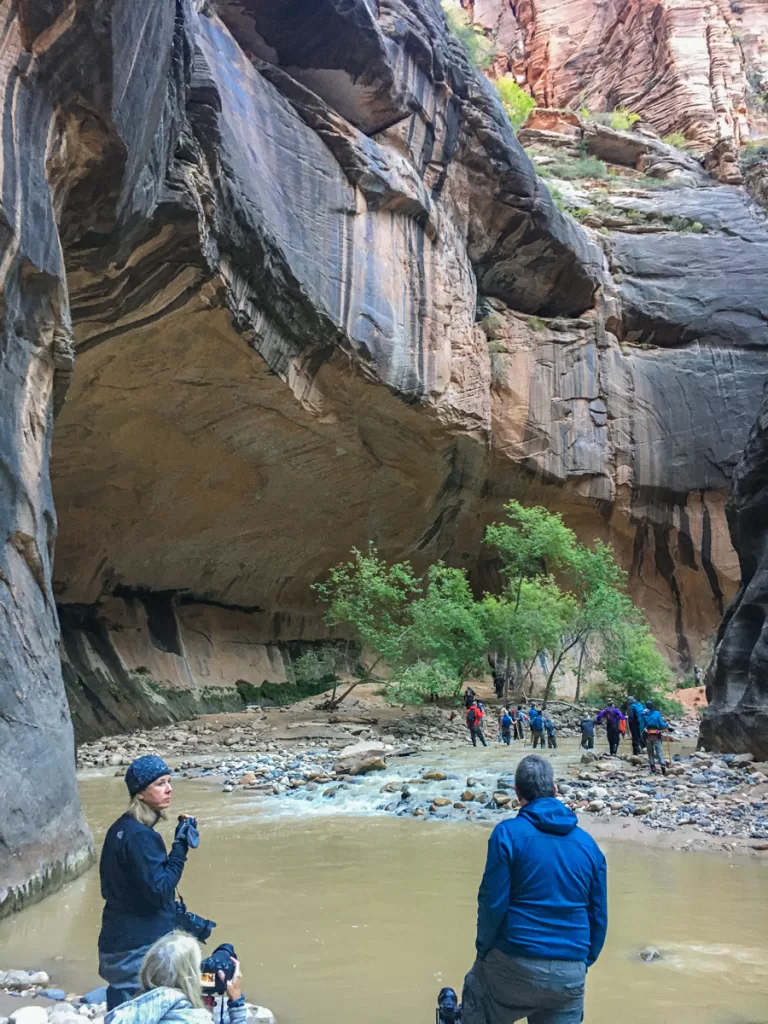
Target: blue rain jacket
(543, 894)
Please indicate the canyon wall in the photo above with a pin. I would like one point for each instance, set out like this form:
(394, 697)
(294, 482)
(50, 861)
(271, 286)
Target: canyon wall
(737, 681)
(694, 66)
(318, 294)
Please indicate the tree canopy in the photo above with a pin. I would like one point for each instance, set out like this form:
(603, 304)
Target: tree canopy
(559, 597)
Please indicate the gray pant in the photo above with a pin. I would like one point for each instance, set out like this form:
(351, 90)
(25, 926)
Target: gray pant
(502, 989)
(655, 751)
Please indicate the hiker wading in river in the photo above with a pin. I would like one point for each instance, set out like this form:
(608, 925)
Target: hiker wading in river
(475, 716)
(655, 727)
(613, 719)
(541, 911)
(139, 879)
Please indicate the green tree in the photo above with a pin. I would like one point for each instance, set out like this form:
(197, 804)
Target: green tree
(373, 601)
(427, 630)
(531, 544)
(632, 664)
(446, 625)
(516, 101)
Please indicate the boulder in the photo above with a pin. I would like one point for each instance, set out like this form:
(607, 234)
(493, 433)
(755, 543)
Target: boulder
(358, 752)
(442, 801)
(742, 760)
(589, 756)
(29, 1015)
(248, 779)
(368, 764)
(17, 980)
(434, 776)
(501, 799)
(468, 795)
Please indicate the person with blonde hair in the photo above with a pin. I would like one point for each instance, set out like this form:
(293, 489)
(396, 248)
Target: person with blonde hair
(170, 988)
(139, 879)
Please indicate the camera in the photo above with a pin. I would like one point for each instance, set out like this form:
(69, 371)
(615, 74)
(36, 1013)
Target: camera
(448, 1009)
(221, 959)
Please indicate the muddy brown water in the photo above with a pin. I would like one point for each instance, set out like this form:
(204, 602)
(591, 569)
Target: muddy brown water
(343, 918)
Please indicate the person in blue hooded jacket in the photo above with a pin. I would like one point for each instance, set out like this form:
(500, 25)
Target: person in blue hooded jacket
(542, 911)
(537, 727)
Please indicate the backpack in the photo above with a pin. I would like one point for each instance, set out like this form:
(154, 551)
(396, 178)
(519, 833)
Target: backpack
(506, 722)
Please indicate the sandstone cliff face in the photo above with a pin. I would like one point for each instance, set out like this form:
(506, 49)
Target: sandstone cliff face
(737, 689)
(696, 66)
(319, 294)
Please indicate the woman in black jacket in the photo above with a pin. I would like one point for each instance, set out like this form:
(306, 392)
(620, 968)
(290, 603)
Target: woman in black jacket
(139, 879)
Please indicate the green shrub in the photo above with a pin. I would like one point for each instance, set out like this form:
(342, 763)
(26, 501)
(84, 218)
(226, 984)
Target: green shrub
(676, 139)
(516, 101)
(620, 119)
(753, 153)
(557, 197)
(623, 119)
(480, 50)
(571, 170)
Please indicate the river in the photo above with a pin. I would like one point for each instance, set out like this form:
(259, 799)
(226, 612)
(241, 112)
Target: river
(343, 917)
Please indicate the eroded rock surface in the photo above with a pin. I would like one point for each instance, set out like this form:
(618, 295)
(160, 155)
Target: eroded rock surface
(684, 65)
(737, 681)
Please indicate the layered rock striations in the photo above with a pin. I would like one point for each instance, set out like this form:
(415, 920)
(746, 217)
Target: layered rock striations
(318, 294)
(737, 683)
(695, 66)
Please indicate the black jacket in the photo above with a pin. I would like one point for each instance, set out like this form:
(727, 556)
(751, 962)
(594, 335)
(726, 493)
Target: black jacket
(138, 882)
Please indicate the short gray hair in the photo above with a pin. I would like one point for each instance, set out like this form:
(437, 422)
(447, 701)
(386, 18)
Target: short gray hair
(534, 778)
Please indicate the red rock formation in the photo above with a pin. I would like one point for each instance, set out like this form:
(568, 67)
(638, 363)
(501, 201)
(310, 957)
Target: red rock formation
(695, 66)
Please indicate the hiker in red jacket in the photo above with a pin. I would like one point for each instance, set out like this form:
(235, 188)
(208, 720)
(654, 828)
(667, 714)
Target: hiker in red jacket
(475, 716)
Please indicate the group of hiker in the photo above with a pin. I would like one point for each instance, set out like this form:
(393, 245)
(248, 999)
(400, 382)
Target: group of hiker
(646, 728)
(645, 723)
(512, 723)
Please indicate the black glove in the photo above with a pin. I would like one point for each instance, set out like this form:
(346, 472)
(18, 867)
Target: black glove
(186, 832)
(195, 925)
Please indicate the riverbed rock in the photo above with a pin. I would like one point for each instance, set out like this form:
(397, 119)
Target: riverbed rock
(248, 778)
(468, 795)
(368, 764)
(651, 954)
(17, 979)
(357, 753)
(434, 776)
(441, 801)
(29, 1015)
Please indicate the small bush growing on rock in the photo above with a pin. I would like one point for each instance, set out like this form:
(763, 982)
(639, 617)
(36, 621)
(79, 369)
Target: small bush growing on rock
(623, 119)
(571, 169)
(676, 139)
(753, 153)
(516, 101)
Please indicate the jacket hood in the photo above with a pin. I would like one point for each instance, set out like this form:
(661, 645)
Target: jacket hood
(549, 815)
(152, 1007)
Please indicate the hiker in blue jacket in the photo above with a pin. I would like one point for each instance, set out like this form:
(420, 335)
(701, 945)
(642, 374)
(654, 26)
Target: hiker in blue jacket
(542, 911)
(139, 879)
(537, 727)
(655, 727)
(636, 720)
